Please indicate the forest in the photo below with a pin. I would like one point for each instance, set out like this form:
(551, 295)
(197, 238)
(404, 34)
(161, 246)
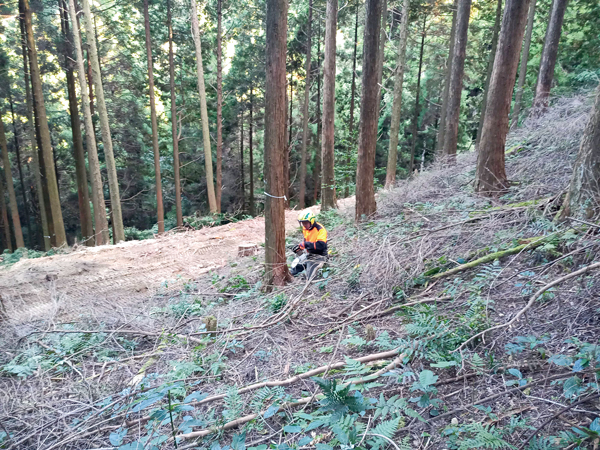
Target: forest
(155, 158)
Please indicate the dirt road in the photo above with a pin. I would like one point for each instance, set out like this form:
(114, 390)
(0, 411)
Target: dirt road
(112, 276)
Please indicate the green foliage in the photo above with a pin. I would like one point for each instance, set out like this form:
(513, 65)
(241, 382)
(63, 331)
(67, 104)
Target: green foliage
(8, 259)
(234, 405)
(475, 435)
(338, 401)
(277, 302)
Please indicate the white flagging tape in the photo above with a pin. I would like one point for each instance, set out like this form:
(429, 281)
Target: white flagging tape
(272, 196)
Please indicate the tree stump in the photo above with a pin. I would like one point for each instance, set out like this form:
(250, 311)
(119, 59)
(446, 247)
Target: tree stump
(247, 250)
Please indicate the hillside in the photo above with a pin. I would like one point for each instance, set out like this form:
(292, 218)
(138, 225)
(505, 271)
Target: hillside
(448, 321)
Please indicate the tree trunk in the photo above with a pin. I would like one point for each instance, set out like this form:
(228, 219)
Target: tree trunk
(583, 197)
(446, 91)
(369, 114)
(317, 166)
(523, 66)
(46, 146)
(176, 177)
(113, 182)
(250, 154)
(456, 78)
(102, 235)
(290, 115)
(4, 220)
(85, 213)
(490, 66)
(159, 198)
(90, 81)
(352, 101)
(243, 185)
(491, 174)
(390, 178)
(549, 54)
(415, 127)
(210, 186)
(286, 155)
(381, 53)
(10, 187)
(219, 103)
(327, 150)
(276, 269)
(35, 163)
(20, 170)
(305, 136)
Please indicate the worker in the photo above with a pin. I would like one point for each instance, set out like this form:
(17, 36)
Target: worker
(314, 245)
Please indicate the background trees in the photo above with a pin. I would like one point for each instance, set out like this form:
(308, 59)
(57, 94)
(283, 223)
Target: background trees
(239, 68)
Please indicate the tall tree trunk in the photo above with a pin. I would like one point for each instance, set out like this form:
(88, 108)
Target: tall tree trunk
(4, 220)
(35, 162)
(243, 185)
(305, 118)
(491, 173)
(10, 187)
(291, 115)
(583, 197)
(20, 170)
(159, 198)
(328, 159)
(251, 155)
(85, 213)
(286, 155)
(415, 127)
(174, 125)
(347, 178)
(113, 181)
(210, 183)
(46, 146)
(317, 166)
(523, 66)
(219, 103)
(490, 66)
(446, 91)
(390, 178)
(456, 78)
(369, 114)
(381, 53)
(276, 269)
(102, 235)
(549, 54)
(90, 81)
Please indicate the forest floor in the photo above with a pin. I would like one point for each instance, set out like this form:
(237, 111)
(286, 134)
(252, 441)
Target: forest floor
(116, 276)
(447, 321)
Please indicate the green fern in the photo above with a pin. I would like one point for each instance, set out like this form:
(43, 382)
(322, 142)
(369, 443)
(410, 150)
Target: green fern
(354, 367)
(387, 429)
(542, 443)
(338, 400)
(482, 436)
(234, 405)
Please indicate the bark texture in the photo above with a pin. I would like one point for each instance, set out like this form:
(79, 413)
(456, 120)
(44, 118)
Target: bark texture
(35, 163)
(159, 198)
(59, 236)
(317, 166)
(101, 234)
(369, 114)
(327, 150)
(219, 103)
(10, 189)
(176, 176)
(276, 269)
(583, 197)
(456, 78)
(83, 194)
(305, 113)
(252, 207)
(242, 178)
(415, 127)
(111, 169)
(523, 66)
(210, 186)
(6, 241)
(446, 91)
(352, 102)
(491, 173)
(549, 54)
(490, 66)
(392, 162)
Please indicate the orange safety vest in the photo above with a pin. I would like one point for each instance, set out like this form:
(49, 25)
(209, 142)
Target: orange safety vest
(315, 239)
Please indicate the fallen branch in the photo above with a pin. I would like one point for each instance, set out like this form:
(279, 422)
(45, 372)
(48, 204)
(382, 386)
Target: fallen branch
(302, 376)
(565, 409)
(491, 257)
(530, 303)
(304, 401)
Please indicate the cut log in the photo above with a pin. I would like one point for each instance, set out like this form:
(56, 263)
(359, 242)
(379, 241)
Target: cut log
(247, 250)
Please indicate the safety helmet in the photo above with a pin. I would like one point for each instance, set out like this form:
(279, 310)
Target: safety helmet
(307, 217)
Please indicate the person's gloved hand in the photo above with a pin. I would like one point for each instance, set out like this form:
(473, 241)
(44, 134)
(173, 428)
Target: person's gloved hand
(296, 248)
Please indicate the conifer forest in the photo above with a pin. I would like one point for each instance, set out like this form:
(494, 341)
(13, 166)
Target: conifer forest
(300, 224)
